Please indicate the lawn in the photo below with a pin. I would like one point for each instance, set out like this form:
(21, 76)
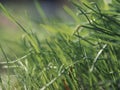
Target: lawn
(82, 54)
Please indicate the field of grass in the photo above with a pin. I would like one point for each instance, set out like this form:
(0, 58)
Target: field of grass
(81, 55)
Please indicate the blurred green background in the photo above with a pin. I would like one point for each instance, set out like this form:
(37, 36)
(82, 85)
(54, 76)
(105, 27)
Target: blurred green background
(26, 13)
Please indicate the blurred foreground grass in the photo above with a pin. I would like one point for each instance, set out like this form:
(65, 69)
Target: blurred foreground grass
(84, 55)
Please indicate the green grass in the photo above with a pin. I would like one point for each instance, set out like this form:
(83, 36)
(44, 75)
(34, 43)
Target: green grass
(85, 58)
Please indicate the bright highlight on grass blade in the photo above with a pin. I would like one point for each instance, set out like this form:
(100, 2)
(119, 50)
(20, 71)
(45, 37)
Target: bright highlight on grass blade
(97, 56)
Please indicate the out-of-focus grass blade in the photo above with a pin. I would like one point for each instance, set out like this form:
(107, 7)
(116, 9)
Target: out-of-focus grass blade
(71, 13)
(11, 17)
(1, 84)
(40, 11)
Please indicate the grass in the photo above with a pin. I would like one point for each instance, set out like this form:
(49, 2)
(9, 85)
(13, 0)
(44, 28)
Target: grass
(85, 58)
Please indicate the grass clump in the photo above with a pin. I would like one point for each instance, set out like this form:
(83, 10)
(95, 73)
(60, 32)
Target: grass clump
(82, 59)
